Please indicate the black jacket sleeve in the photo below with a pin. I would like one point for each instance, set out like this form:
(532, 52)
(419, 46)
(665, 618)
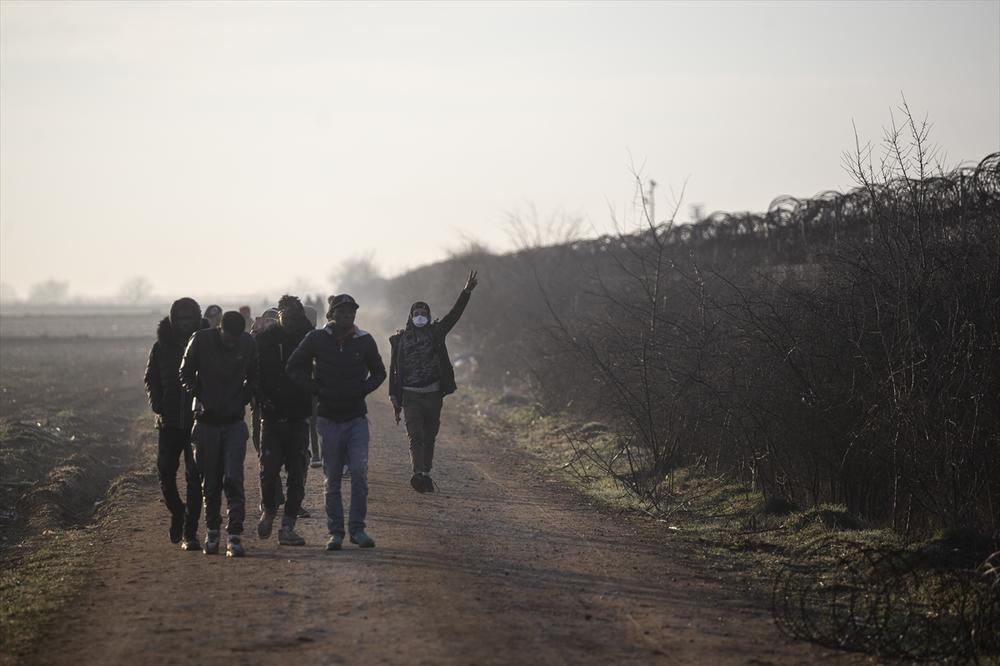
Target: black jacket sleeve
(189, 366)
(447, 322)
(395, 389)
(252, 383)
(300, 363)
(154, 384)
(376, 369)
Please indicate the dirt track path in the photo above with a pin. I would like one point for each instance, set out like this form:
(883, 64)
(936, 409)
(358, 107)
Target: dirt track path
(498, 567)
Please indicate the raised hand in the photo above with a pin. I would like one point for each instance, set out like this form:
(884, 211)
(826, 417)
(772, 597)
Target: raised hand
(471, 283)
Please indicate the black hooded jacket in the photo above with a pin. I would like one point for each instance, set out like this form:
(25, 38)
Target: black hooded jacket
(279, 397)
(437, 331)
(167, 398)
(223, 379)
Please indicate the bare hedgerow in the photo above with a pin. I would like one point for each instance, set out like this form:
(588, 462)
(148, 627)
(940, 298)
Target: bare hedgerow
(842, 348)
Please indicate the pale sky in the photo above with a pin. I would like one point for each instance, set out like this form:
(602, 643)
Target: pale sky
(241, 147)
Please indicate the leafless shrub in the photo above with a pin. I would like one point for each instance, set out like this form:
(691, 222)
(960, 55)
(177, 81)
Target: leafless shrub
(841, 348)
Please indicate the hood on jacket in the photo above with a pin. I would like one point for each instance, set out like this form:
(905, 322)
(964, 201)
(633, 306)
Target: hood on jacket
(165, 330)
(409, 317)
(276, 334)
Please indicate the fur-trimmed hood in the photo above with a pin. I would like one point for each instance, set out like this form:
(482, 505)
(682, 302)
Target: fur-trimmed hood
(165, 332)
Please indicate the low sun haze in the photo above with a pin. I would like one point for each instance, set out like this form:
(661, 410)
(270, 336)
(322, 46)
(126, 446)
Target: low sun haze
(245, 147)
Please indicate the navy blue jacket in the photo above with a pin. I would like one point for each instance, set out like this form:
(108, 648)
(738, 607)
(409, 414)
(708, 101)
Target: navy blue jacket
(341, 375)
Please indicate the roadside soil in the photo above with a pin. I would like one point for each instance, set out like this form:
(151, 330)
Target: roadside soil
(66, 411)
(499, 566)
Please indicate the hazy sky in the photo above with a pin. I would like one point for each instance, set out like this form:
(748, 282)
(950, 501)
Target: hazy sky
(240, 147)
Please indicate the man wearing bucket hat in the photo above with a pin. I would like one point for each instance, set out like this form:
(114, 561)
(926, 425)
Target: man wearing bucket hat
(340, 365)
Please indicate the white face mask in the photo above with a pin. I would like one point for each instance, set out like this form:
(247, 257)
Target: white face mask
(420, 321)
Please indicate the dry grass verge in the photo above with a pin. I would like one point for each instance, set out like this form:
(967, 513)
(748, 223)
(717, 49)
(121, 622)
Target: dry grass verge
(47, 566)
(756, 544)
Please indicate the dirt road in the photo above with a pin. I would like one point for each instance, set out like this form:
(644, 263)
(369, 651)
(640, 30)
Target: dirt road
(498, 567)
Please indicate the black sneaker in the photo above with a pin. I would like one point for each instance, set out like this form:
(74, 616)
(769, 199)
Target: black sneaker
(176, 526)
(288, 537)
(362, 540)
(428, 483)
(303, 513)
(211, 546)
(417, 481)
(190, 543)
(234, 546)
(265, 524)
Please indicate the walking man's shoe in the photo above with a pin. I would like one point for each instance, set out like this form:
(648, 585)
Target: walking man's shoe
(336, 542)
(422, 483)
(363, 540)
(303, 512)
(288, 537)
(176, 526)
(234, 546)
(190, 543)
(265, 524)
(212, 542)
(316, 462)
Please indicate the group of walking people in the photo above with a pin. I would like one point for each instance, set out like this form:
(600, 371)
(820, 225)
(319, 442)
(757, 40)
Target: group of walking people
(203, 371)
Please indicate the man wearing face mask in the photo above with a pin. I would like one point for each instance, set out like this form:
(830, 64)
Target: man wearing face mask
(340, 364)
(172, 406)
(420, 375)
(220, 370)
(285, 410)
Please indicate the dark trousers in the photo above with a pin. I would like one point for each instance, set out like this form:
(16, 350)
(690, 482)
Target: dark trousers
(422, 412)
(255, 425)
(256, 419)
(220, 452)
(283, 443)
(173, 443)
(313, 442)
(313, 432)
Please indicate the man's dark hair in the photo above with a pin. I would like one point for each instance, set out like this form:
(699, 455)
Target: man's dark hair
(289, 302)
(233, 323)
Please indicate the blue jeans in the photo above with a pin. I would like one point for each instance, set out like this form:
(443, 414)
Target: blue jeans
(344, 442)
